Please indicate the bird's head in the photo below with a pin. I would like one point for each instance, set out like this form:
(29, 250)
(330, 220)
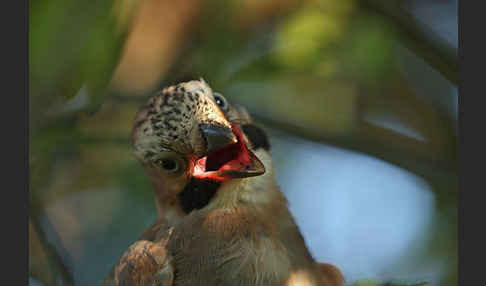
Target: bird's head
(191, 140)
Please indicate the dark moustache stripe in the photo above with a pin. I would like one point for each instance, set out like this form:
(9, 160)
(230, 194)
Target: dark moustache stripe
(197, 194)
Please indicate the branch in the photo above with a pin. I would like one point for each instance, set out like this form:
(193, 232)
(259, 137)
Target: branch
(60, 273)
(418, 38)
(376, 141)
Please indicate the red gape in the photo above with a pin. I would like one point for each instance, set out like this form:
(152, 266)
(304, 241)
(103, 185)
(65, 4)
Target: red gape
(234, 157)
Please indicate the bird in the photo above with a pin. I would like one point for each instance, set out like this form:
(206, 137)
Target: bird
(222, 217)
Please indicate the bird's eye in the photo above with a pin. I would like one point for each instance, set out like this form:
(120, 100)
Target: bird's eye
(169, 165)
(221, 101)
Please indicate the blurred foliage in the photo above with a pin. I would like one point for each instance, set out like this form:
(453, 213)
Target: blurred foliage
(320, 66)
(70, 43)
(335, 115)
(304, 34)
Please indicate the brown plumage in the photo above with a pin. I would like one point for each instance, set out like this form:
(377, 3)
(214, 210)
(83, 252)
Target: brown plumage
(223, 219)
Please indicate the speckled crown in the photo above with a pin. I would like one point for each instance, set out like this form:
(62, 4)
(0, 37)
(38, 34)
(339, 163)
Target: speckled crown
(170, 120)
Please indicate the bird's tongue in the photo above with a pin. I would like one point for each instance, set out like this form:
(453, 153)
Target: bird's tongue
(232, 161)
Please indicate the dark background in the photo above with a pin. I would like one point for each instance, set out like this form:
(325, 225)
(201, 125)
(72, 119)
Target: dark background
(359, 97)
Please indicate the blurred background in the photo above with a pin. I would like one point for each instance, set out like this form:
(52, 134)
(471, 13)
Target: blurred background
(359, 98)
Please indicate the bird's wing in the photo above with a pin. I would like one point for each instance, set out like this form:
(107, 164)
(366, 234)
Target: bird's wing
(146, 262)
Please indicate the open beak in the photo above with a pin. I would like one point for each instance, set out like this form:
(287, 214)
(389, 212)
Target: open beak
(228, 156)
(217, 136)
